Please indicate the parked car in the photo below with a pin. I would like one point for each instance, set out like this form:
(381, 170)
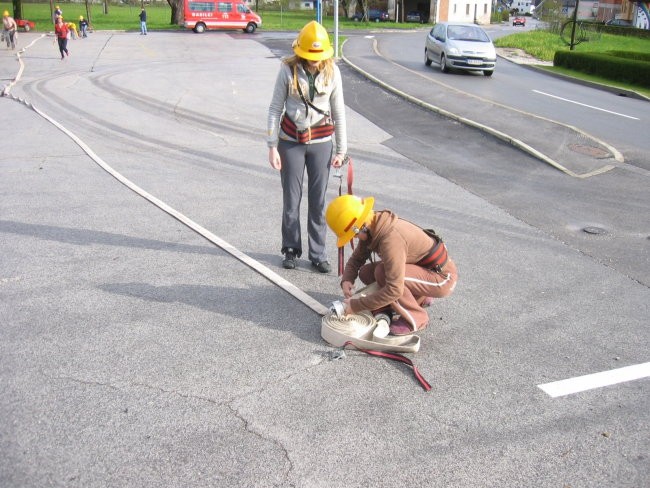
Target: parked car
(374, 15)
(519, 21)
(415, 16)
(25, 24)
(619, 23)
(460, 46)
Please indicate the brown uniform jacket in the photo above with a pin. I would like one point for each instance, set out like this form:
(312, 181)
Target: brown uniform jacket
(397, 242)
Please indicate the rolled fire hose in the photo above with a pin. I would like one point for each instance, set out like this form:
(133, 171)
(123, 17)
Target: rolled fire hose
(364, 331)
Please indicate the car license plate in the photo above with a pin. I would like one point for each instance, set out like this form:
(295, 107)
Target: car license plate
(474, 61)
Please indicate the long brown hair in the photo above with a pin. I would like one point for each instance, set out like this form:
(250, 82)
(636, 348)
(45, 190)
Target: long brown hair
(325, 68)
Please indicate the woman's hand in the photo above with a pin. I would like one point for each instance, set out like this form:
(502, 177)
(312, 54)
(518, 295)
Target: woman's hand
(337, 160)
(274, 158)
(348, 288)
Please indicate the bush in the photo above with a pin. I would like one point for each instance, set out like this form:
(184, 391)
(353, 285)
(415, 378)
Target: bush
(627, 69)
(630, 55)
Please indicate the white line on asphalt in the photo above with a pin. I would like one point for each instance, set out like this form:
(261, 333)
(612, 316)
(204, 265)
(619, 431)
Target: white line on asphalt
(585, 105)
(596, 380)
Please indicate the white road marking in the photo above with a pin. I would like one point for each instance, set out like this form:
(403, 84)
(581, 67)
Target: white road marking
(596, 380)
(585, 105)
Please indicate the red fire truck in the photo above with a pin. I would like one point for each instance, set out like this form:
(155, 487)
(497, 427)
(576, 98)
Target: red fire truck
(201, 15)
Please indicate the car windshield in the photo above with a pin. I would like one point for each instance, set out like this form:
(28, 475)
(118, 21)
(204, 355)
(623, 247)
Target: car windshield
(466, 33)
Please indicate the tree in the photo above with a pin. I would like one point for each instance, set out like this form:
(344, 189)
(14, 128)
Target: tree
(18, 8)
(177, 16)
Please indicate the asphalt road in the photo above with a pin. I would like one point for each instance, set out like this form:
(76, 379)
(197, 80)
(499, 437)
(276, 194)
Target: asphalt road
(137, 353)
(616, 119)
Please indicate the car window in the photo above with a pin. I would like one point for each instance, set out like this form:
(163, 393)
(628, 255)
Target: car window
(438, 32)
(201, 6)
(224, 7)
(467, 33)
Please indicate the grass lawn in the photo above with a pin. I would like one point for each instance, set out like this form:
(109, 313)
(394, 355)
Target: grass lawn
(125, 17)
(542, 45)
(119, 17)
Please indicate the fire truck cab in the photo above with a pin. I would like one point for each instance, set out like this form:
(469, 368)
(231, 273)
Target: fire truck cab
(201, 15)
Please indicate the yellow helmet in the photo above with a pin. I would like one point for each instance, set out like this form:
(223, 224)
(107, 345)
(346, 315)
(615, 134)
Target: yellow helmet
(346, 214)
(313, 43)
(81, 17)
(5, 13)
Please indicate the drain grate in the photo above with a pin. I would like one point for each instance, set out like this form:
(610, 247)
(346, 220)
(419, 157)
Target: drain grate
(595, 152)
(595, 230)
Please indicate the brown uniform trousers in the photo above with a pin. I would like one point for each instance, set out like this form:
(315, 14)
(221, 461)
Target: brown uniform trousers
(419, 283)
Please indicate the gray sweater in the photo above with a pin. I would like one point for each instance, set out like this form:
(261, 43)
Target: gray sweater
(328, 98)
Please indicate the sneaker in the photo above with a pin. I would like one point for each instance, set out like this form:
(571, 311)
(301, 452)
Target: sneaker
(401, 327)
(322, 267)
(289, 261)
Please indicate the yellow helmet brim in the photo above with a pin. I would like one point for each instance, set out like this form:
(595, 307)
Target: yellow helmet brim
(313, 55)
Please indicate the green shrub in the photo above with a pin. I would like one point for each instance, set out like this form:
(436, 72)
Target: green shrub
(609, 66)
(639, 56)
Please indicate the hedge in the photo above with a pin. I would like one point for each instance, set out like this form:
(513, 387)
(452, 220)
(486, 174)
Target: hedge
(633, 68)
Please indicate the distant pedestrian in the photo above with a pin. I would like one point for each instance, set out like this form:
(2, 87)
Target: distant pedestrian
(83, 26)
(9, 28)
(143, 22)
(57, 13)
(61, 30)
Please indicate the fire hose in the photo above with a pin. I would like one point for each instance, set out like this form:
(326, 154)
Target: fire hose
(368, 333)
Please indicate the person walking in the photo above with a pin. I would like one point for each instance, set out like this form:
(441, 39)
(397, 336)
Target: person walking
(414, 269)
(83, 26)
(306, 110)
(57, 13)
(143, 22)
(61, 31)
(72, 29)
(9, 29)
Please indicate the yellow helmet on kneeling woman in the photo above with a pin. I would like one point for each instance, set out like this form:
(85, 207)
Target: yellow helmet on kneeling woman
(347, 214)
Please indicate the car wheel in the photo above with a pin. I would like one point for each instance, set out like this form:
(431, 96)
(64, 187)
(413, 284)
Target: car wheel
(443, 64)
(199, 28)
(427, 61)
(27, 27)
(250, 28)
(488, 72)
(377, 20)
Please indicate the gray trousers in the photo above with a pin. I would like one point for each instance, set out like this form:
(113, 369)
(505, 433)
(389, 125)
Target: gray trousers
(10, 37)
(316, 159)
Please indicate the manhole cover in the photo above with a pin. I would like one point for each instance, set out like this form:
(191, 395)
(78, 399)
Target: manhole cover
(596, 152)
(595, 230)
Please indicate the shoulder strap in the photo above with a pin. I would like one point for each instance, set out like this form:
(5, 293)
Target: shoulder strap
(309, 104)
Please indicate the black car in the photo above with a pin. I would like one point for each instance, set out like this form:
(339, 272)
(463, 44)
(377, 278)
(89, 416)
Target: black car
(374, 15)
(415, 16)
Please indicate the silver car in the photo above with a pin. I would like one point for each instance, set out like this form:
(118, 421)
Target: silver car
(460, 46)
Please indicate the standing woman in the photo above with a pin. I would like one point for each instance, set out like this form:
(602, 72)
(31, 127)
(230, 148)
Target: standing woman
(61, 31)
(307, 109)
